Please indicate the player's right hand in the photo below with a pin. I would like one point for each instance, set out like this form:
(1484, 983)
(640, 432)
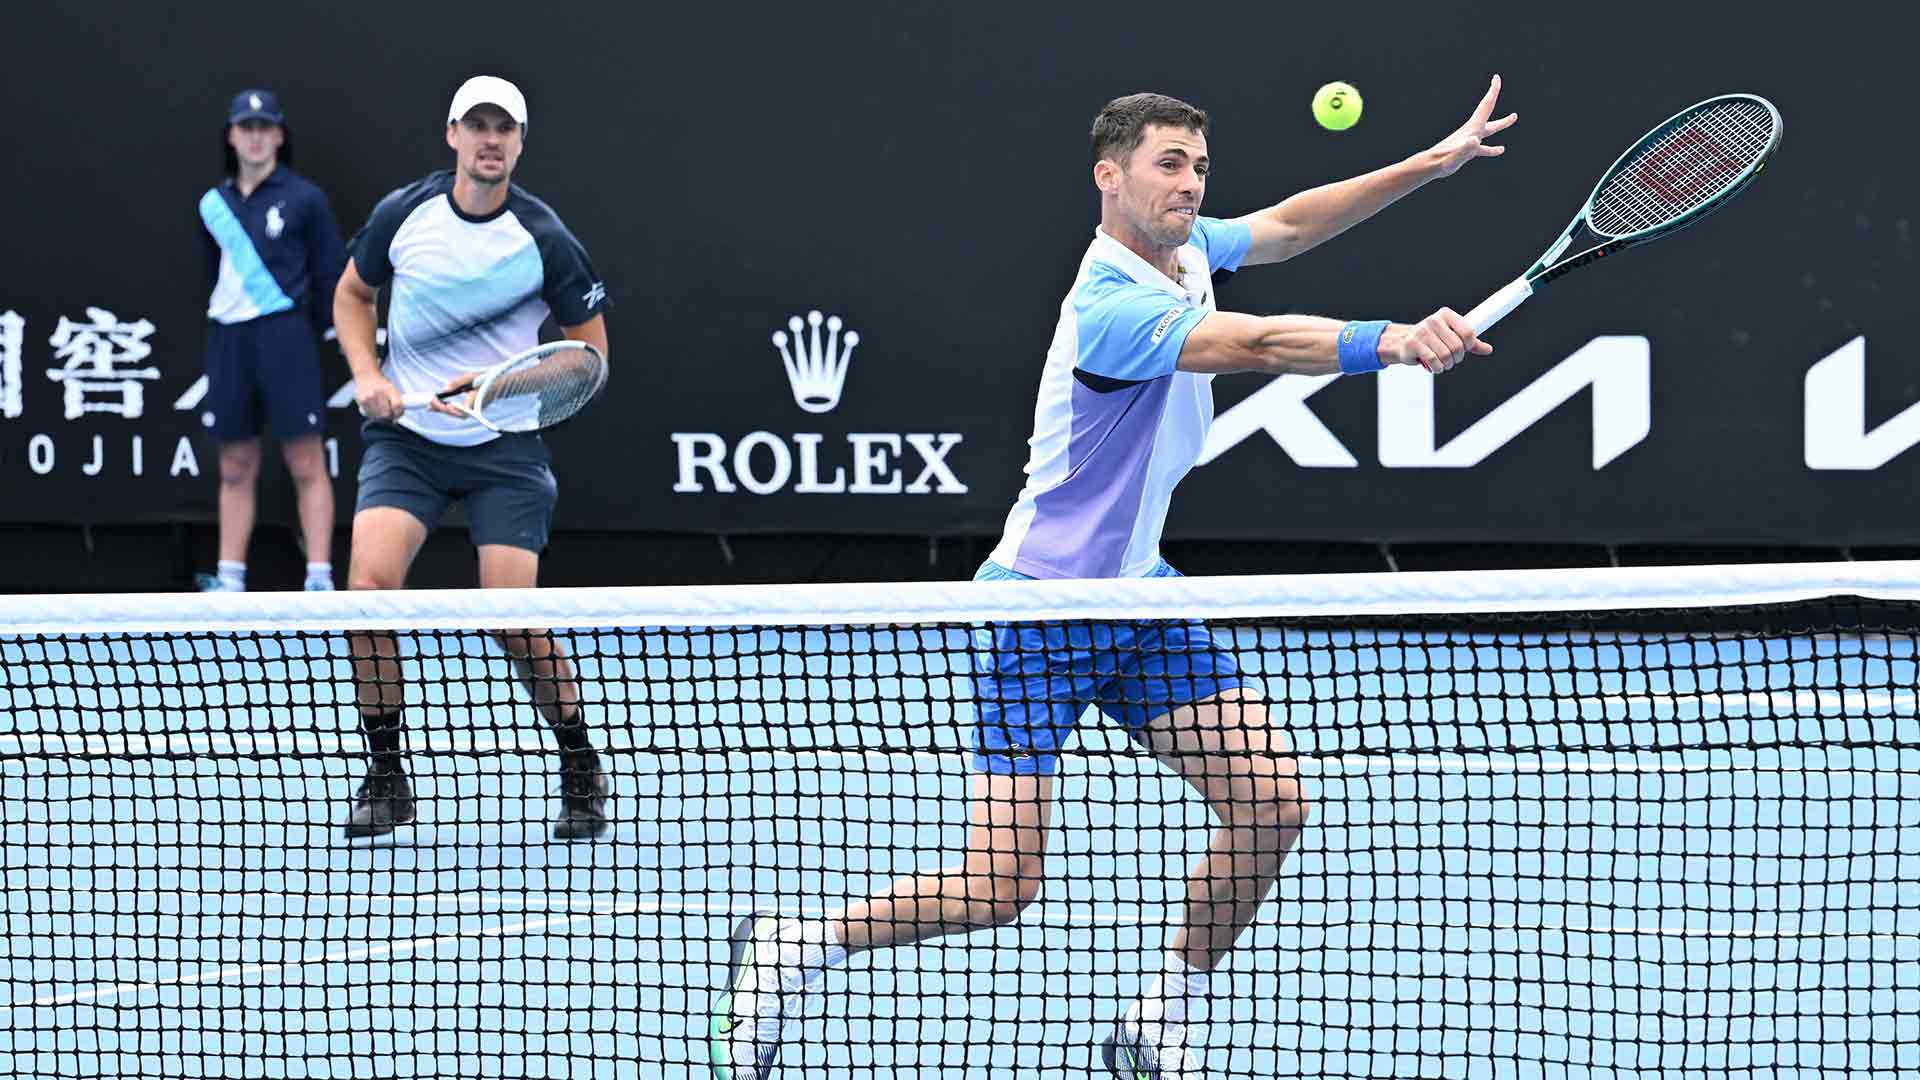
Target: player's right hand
(1436, 342)
(377, 397)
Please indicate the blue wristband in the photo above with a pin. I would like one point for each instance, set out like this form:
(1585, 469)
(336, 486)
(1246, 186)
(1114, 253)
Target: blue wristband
(1360, 347)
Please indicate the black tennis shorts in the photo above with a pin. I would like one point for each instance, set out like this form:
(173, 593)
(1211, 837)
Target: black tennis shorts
(507, 483)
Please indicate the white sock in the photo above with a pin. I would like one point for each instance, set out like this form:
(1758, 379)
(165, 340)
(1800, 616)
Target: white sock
(233, 575)
(808, 948)
(1178, 996)
(320, 571)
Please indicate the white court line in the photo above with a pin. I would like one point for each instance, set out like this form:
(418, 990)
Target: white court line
(536, 901)
(958, 762)
(230, 742)
(1047, 917)
(425, 944)
(391, 948)
(1708, 932)
(532, 900)
(199, 743)
(1525, 705)
(1364, 765)
(1042, 914)
(1747, 699)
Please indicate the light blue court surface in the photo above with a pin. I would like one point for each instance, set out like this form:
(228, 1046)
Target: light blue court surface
(1501, 878)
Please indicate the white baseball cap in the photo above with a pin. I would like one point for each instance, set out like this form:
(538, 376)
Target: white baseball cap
(488, 90)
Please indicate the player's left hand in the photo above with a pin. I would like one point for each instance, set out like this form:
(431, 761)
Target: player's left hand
(458, 382)
(1469, 141)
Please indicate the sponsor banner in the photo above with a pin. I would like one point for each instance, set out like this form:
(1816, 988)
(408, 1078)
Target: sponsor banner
(831, 287)
(103, 419)
(802, 462)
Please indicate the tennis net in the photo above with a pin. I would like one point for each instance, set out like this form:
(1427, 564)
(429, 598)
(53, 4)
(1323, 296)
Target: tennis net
(1607, 823)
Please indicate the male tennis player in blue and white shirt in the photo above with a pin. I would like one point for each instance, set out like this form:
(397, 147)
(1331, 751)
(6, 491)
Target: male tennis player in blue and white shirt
(475, 266)
(1122, 415)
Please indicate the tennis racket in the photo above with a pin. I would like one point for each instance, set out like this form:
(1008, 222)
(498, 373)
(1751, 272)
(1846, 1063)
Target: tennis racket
(1675, 175)
(530, 391)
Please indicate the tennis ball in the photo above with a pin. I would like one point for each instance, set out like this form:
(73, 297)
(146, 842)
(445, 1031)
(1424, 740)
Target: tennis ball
(1337, 106)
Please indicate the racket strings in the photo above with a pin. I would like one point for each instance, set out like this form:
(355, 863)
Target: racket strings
(1684, 169)
(561, 384)
(1677, 174)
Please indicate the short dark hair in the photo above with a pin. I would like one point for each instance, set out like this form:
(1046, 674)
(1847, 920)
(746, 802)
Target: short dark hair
(1123, 123)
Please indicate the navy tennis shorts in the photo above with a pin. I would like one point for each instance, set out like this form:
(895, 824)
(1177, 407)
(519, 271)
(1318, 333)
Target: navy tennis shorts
(507, 483)
(264, 373)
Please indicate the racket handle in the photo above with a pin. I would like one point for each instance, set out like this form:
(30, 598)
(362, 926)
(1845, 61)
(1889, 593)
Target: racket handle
(419, 399)
(1496, 307)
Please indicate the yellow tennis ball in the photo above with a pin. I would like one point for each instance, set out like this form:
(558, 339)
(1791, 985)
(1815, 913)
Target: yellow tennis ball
(1337, 106)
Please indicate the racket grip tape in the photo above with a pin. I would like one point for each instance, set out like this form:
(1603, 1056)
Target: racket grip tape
(1499, 305)
(419, 399)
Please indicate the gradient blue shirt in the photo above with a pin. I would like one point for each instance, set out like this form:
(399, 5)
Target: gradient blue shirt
(1116, 425)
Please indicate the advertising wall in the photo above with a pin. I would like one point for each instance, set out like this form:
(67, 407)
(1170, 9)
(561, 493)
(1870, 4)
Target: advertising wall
(836, 241)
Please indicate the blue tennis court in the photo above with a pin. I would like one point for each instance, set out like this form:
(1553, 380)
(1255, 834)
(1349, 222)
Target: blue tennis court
(1522, 861)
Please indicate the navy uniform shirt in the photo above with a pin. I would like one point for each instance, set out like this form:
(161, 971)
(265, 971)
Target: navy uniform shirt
(271, 251)
(468, 292)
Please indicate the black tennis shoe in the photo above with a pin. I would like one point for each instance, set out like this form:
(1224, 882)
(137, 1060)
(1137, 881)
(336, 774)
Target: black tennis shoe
(583, 798)
(384, 801)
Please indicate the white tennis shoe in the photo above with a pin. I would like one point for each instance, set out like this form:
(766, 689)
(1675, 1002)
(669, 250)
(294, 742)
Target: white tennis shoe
(1150, 1050)
(761, 1005)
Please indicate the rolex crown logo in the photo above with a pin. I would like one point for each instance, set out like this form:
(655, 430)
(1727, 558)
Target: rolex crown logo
(815, 369)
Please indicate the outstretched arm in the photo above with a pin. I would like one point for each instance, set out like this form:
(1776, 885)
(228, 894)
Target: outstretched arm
(1311, 218)
(1227, 341)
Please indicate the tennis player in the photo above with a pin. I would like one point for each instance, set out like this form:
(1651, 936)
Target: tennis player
(475, 266)
(1123, 410)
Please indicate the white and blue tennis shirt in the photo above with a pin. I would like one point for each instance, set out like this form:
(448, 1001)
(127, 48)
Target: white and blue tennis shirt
(1116, 426)
(468, 292)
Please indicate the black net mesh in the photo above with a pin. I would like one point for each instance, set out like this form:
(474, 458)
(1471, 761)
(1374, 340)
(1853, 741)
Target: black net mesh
(1596, 844)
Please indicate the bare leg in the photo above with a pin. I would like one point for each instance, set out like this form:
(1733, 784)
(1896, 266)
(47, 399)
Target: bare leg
(999, 875)
(541, 662)
(1228, 750)
(385, 541)
(239, 470)
(538, 657)
(313, 490)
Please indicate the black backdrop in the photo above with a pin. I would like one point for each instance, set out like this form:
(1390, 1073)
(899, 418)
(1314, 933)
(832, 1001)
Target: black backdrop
(921, 173)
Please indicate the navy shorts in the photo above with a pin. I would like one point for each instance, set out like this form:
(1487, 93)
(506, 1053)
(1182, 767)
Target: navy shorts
(1032, 681)
(507, 483)
(266, 370)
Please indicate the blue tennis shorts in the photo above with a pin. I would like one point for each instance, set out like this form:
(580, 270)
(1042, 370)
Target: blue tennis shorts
(1033, 681)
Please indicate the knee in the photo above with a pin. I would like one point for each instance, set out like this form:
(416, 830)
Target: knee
(306, 473)
(365, 579)
(1291, 808)
(1279, 806)
(1015, 892)
(238, 470)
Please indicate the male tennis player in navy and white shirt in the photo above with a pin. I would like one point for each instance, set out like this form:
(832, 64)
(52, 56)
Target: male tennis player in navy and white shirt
(273, 256)
(1123, 409)
(475, 266)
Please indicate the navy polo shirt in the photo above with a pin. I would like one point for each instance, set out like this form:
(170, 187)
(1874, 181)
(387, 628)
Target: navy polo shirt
(271, 251)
